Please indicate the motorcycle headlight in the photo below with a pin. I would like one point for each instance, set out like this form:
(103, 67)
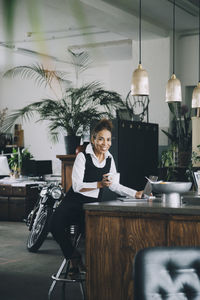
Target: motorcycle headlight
(43, 192)
(56, 193)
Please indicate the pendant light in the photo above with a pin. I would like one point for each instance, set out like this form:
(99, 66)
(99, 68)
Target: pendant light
(173, 89)
(196, 91)
(140, 81)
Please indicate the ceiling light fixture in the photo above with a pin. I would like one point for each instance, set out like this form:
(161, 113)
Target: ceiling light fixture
(140, 80)
(196, 91)
(173, 89)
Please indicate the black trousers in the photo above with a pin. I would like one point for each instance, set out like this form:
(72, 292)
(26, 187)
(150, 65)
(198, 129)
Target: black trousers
(69, 212)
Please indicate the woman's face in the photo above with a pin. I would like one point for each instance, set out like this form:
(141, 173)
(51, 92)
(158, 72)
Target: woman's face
(102, 141)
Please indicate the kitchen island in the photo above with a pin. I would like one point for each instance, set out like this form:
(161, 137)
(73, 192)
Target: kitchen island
(116, 231)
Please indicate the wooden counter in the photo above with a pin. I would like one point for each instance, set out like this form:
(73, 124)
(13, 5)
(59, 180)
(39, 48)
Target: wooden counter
(115, 231)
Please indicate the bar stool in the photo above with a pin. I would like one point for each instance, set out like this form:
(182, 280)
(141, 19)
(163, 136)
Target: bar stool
(62, 275)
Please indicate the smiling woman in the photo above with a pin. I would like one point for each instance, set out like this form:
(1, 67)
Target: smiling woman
(101, 142)
(90, 175)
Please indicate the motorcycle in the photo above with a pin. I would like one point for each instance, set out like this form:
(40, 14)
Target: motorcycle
(38, 221)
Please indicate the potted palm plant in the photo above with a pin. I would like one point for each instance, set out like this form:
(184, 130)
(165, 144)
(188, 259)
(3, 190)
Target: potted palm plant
(78, 106)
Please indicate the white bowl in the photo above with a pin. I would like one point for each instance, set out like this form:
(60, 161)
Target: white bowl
(167, 187)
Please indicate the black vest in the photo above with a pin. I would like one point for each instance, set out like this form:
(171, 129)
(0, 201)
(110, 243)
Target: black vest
(92, 174)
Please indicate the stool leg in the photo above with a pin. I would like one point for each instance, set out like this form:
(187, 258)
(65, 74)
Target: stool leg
(60, 272)
(57, 276)
(65, 276)
(82, 290)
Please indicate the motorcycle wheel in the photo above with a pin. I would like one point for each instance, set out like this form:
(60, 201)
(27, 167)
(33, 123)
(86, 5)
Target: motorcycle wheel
(31, 217)
(39, 232)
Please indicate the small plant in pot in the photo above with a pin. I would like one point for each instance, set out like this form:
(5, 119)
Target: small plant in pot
(72, 113)
(18, 161)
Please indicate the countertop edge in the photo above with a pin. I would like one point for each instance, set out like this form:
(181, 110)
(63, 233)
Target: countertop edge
(149, 207)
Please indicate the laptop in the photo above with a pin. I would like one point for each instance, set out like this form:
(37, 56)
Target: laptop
(146, 194)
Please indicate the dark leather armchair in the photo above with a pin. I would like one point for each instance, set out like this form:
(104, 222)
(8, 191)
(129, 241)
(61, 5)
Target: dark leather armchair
(168, 273)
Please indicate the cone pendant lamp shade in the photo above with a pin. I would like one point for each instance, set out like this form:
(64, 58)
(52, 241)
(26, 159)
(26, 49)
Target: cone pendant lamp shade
(173, 90)
(140, 82)
(196, 96)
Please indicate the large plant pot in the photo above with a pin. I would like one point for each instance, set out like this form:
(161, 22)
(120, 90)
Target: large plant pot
(184, 158)
(71, 143)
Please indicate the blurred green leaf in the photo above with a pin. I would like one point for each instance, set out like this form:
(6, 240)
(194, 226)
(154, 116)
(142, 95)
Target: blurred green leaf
(9, 7)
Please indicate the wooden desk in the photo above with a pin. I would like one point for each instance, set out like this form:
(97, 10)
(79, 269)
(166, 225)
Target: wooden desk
(66, 170)
(16, 201)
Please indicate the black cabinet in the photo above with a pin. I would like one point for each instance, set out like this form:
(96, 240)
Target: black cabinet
(135, 150)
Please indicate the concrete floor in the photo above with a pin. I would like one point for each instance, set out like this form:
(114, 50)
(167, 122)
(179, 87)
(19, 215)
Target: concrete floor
(25, 275)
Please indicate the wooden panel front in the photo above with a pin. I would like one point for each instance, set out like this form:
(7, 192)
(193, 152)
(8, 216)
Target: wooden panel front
(111, 244)
(3, 208)
(184, 231)
(139, 233)
(67, 175)
(66, 169)
(19, 190)
(5, 189)
(16, 208)
(102, 234)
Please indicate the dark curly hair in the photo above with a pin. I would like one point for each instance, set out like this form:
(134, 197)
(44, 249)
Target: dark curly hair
(101, 125)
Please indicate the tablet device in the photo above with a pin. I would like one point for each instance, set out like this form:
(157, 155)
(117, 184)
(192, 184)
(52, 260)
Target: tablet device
(132, 199)
(146, 194)
(148, 186)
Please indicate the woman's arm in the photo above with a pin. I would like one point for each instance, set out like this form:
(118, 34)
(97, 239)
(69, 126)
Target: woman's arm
(100, 184)
(121, 189)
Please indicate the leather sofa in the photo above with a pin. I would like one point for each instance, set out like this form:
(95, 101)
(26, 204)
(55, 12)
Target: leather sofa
(168, 273)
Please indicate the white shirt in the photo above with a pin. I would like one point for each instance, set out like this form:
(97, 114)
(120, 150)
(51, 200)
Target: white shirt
(79, 171)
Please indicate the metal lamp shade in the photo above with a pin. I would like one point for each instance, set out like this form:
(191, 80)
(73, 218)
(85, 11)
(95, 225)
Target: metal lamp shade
(140, 82)
(196, 96)
(173, 90)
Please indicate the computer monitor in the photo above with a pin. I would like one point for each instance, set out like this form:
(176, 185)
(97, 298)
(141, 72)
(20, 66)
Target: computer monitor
(38, 167)
(43, 167)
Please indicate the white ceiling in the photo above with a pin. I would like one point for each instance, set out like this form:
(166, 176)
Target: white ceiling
(76, 23)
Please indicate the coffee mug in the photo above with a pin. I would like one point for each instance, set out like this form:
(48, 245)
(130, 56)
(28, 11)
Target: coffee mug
(113, 177)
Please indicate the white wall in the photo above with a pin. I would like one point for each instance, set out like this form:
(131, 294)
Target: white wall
(16, 93)
(120, 73)
(156, 61)
(188, 61)
(115, 75)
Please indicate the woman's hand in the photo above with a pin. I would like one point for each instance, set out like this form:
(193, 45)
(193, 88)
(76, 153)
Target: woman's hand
(105, 182)
(139, 194)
